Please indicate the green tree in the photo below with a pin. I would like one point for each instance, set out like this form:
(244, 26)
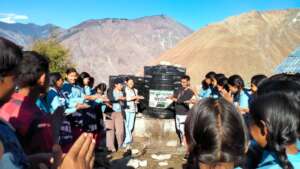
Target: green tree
(57, 54)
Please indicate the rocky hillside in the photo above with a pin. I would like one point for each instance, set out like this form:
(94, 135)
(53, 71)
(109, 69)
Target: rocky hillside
(120, 46)
(250, 43)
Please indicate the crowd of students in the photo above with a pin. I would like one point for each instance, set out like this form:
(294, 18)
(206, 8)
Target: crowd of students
(44, 114)
(230, 126)
(224, 126)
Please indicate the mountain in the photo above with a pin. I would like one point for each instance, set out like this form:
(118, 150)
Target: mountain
(254, 42)
(114, 46)
(25, 34)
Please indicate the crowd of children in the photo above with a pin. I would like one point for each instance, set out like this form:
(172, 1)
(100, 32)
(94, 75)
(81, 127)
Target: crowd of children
(44, 114)
(234, 127)
(43, 111)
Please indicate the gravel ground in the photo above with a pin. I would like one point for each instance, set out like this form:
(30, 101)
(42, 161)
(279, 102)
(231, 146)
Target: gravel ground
(120, 159)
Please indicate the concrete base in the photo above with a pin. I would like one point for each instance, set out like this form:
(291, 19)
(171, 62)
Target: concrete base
(157, 131)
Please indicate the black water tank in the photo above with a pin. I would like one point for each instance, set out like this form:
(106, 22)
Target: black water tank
(162, 81)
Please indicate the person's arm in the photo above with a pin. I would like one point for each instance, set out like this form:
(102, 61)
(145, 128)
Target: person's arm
(187, 95)
(130, 97)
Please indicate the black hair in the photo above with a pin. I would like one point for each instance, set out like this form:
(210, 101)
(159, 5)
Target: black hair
(32, 67)
(219, 76)
(237, 81)
(71, 70)
(224, 83)
(102, 87)
(281, 120)
(186, 77)
(211, 131)
(10, 56)
(289, 88)
(92, 82)
(81, 77)
(204, 85)
(258, 79)
(210, 75)
(53, 78)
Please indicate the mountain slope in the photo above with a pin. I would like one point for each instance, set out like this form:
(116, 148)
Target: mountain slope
(250, 43)
(121, 46)
(26, 34)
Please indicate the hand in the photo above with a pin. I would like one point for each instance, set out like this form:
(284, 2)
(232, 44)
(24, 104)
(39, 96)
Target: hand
(81, 106)
(227, 95)
(192, 101)
(170, 97)
(105, 99)
(80, 156)
(141, 97)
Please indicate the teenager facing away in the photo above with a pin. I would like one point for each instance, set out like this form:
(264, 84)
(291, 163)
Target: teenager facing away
(182, 98)
(132, 99)
(30, 122)
(237, 94)
(114, 121)
(11, 152)
(275, 129)
(216, 135)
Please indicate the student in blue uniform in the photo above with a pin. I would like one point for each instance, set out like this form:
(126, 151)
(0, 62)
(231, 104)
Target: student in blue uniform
(205, 90)
(84, 82)
(216, 135)
(240, 96)
(56, 100)
(208, 87)
(274, 127)
(75, 101)
(100, 90)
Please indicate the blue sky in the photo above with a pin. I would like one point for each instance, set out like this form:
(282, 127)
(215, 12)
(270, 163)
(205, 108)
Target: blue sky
(192, 13)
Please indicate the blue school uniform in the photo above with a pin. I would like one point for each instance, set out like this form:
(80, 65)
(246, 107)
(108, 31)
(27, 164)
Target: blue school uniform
(100, 102)
(205, 93)
(73, 95)
(270, 161)
(117, 107)
(243, 99)
(56, 99)
(89, 116)
(214, 93)
(42, 105)
(87, 90)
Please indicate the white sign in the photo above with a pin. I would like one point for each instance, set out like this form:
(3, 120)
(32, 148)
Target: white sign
(159, 98)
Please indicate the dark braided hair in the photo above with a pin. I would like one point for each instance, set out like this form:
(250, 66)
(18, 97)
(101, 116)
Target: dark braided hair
(211, 131)
(281, 120)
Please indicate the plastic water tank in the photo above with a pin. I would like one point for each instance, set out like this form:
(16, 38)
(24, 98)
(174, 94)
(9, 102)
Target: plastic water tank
(161, 82)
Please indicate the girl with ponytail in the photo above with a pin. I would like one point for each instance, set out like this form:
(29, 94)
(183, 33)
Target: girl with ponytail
(216, 135)
(274, 127)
